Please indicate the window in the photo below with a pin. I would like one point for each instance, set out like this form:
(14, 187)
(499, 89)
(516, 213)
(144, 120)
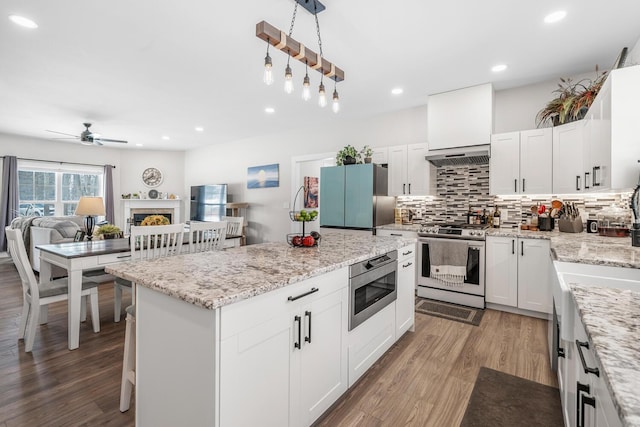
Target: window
(48, 189)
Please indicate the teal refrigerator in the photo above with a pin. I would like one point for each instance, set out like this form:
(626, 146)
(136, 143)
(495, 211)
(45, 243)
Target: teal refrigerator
(355, 197)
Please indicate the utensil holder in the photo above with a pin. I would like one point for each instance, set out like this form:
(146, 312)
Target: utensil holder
(546, 223)
(570, 225)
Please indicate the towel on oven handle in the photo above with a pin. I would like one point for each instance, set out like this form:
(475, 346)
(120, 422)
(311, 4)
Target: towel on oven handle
(448, 261)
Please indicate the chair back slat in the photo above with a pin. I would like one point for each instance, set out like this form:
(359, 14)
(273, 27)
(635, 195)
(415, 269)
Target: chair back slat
(156, 241)
(234, 225)
(206, 236)
(21, 261)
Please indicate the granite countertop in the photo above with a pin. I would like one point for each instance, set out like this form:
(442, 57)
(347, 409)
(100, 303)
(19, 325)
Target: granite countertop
(611, 318)
(586, 248)
(399, 227)
(215, 279)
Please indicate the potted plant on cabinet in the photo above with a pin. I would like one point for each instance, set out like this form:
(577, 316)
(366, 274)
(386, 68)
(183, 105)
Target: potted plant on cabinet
(573, 100)
(348, 156)
(366, 152)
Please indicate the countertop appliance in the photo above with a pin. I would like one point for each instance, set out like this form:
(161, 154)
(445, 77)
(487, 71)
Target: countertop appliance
(355, 197)
(472, 236)
(208, 202)
(372, 286)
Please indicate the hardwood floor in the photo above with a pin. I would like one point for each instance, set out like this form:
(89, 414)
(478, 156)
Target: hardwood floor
(424, 380)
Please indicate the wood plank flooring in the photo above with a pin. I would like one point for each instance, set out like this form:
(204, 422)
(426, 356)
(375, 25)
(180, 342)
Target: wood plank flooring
(424, 380)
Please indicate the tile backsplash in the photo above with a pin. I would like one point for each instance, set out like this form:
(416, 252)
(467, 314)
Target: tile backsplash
(462, 187)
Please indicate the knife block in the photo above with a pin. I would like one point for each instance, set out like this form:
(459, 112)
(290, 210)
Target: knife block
(570, 225)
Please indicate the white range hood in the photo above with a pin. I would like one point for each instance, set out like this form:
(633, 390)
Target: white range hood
(460, 118)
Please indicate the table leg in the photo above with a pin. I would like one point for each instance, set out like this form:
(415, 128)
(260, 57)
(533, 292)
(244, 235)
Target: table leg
(74, 302)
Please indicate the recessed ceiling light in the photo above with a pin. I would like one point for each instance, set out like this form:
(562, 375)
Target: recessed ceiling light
(165, 137)
(270, 110)
(139, 145)
(397, 91)
(199, 129)
(22, 21)
(498, 68)
(555, 17)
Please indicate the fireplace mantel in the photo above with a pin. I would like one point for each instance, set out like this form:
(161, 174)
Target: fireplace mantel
(174, 204)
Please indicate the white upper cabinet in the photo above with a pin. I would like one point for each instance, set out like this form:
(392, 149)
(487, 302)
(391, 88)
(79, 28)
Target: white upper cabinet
(568, 159)
(536, 154)
(504, 163)
(409, 173)
(460, 118)
(520, 162)
(613, 132)
(380, 155)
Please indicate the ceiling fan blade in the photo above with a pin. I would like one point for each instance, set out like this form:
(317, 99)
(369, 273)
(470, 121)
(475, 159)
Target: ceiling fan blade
(97, 142)
(75, 137)
(111, 140)
(62, 133)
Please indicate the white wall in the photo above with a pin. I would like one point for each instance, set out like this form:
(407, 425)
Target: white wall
(127, 176)
(268, 211)
(633, 58)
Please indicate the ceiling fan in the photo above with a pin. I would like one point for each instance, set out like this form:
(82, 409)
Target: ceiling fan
(87, 137)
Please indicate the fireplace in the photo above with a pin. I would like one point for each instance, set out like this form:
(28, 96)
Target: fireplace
(138, 215)
(136, 210)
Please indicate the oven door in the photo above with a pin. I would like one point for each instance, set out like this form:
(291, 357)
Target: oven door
(370, 292)
(474, 280)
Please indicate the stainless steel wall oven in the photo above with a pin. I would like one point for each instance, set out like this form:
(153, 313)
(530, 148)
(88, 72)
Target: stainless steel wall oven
(372, 286)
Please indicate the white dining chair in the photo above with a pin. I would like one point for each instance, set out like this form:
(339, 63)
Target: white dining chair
(206, 236)
(37, 296)
(234, 225)
(148, 242)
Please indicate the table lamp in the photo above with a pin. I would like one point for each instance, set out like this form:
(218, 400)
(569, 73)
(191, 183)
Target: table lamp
(90, 207)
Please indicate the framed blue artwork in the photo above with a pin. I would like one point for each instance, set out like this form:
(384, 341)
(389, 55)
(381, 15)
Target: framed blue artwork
(263, 176)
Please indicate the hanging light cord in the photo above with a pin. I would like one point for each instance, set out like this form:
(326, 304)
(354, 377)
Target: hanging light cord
(293, 19)
(315, 14)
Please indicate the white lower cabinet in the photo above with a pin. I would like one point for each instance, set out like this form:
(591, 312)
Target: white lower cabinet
(518, 273)
(593, 404)
(285, 352)
(406, 283)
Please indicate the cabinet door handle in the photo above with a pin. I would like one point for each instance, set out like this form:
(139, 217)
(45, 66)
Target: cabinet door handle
(596, 179)
(522, 248)
(580, 388)
(523, 187)
(407, 265)
(585, 400)
(577, 182)
(513, 247)
(409, 188)
(515, 185)
(308, 338)
(396, 234)
(586, 180)
(404, 186)
(560, 352)
(406, 253)
(312, 291)
(123, 256)
(587, 370)
(297, 343)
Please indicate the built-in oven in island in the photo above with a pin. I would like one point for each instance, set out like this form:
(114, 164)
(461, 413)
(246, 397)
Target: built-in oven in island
(372, 286)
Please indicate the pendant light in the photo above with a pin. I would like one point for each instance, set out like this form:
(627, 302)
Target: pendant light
(288, 78)
(322, 96)
(268, 74)
(306, 84)
(336, 101)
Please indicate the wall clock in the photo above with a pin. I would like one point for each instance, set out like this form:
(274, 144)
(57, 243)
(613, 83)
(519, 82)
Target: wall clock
(152, 177)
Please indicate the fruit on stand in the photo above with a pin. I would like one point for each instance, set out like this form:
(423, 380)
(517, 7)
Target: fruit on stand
(315, 235)
(296, 241)
(306, 215)
(308, 241)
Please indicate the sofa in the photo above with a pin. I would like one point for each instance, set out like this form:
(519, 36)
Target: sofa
(38, 230)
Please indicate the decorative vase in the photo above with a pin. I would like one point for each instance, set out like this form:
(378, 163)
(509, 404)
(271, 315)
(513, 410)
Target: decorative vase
(348, 160)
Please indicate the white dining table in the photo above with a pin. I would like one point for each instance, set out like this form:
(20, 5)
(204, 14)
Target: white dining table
(76, 258)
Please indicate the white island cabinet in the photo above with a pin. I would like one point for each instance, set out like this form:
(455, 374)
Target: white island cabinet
(256, 335)
(285, 353)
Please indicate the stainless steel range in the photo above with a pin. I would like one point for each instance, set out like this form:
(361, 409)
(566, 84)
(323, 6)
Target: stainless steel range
(462, 246)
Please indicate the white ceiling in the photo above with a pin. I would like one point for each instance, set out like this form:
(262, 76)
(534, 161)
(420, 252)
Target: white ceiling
(146, 68)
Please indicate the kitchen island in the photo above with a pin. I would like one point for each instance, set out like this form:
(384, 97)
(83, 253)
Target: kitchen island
(225, 338)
